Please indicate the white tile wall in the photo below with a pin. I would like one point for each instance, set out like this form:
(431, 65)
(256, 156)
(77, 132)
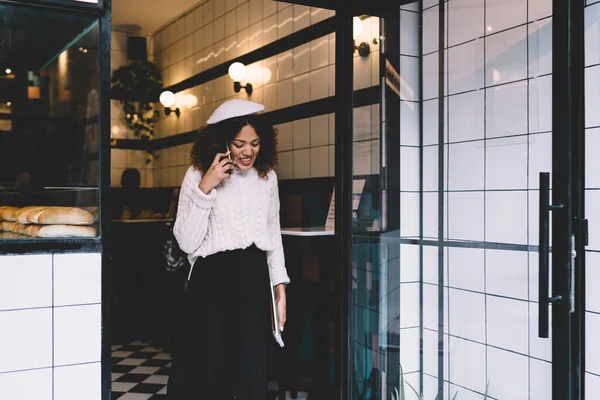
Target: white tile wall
(26, 385)
(40, 333)
(25, 281)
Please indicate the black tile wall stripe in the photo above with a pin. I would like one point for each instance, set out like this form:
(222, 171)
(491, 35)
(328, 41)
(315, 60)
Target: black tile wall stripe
(314, 108)
(288, 42)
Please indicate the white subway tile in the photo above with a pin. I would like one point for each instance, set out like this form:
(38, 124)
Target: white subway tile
(362, 123)
(269, 28)
(331, 128)
(592, 327)
(409, 314)
(540, 47)
(506, 217)
(331, 70)
(508, 374)
(362, 72)
(507, 324)
(331, 38)
(301, 164)
(285, 90)
(230, 23)
(460, 11)
(331, 160)
(409, 168)
(256, 11)
(242, 16)
(190, 26)
(301, 89)
(466, 66)
(319, 161)
(319, 84)
(409, 78)
(269, 8)
(409, 33)
(469, 325)
(500, 15)
(467, 365)
(592, 162)
(319, 53)
(219, 8)
(466, 116)
(301, 17)
(285, 136)
(506, 56)
(506, 163)
(318, 14)
(77, 278)
(78, 381)
(409, 123)
(465, 216)
(430, 30)
(285, 22)
(362, 158)
(230, 5)
(270, 97)
(409, 214)
(285, 62)
(466, 166)
(256, 37)
(25, 281)
(466, 268)
(25, 339)
(302, 59)
(243, 42)
(592, 35)
(26, 385)
(208, 11)
(77, 334)
(198, 17)
(301, 129)
(540, 9)
(507, 273)
(286, 165)
(506, 110)
(540, 376)
(410, 343)
(319, 130)
(430, 76)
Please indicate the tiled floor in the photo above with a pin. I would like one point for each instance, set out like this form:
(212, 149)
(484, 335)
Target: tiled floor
(140, 371)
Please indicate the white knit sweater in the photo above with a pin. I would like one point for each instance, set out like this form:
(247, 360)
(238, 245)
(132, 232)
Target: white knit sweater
(241, 211)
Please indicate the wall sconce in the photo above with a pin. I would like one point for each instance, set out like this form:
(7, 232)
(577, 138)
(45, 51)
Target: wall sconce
(237, 72)
(167, 99)
(364, 49)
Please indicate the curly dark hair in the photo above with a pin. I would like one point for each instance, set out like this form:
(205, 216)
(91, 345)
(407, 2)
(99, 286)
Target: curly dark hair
(213, 138)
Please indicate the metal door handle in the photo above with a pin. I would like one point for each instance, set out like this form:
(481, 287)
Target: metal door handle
(544, 254)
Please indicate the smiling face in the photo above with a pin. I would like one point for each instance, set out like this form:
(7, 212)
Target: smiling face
(245, 147)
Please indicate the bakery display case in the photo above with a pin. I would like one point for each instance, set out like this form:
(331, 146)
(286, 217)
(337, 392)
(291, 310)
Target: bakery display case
(50, 63)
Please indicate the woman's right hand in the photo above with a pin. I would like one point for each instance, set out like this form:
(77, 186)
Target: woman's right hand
(217, 172)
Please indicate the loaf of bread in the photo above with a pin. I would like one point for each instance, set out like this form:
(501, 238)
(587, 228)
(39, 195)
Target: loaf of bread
(8, 213)
(62, 216)
(23, 213)
(6, 226)
(10, 235)
(55, 231)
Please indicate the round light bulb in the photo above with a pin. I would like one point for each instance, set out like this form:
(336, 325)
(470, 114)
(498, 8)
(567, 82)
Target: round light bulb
(356, 27)
(8, 70)
(167, 98)
(190, 101)
(237, 71)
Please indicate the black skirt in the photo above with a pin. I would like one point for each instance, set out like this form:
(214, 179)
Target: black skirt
(220, 345)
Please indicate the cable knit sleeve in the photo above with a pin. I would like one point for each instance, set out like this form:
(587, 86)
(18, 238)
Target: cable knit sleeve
(192, 212)
(275, 258)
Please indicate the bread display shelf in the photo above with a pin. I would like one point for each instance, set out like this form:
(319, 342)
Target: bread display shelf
(47, 222)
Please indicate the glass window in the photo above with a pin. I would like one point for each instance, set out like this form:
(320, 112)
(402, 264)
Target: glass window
(49, 125)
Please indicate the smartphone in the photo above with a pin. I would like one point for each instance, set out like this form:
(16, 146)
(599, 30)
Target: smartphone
(229, 171)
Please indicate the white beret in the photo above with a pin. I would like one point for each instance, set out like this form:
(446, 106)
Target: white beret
(234, 108)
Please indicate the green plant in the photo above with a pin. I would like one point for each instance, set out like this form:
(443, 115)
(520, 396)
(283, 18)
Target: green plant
(138, 86)
(400, 394)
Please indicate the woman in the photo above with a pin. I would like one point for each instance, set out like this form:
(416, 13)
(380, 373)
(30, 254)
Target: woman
(228, 224)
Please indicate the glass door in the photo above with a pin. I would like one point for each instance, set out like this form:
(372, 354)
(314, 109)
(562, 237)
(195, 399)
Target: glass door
(452, 126)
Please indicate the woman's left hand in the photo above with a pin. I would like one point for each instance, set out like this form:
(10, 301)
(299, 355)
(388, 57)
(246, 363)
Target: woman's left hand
(281, 305)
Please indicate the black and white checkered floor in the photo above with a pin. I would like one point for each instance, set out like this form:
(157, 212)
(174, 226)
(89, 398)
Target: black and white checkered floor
(140, 371)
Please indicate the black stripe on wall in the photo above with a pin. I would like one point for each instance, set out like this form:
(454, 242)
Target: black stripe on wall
(363, 97)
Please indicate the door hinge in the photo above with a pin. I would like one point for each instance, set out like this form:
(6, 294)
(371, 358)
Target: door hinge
(585, 232)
